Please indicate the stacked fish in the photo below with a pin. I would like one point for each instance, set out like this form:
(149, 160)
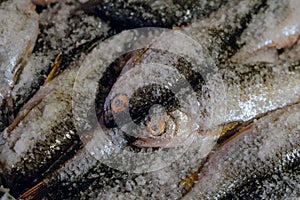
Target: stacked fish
(135, 99)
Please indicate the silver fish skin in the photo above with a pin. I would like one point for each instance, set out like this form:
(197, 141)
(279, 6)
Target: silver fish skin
(19, 22)
(275, 28)
(79, 172)
(220, 32)
(42, 137)
(267, 148)
(66, 34)
(249, 89)
(141, 13)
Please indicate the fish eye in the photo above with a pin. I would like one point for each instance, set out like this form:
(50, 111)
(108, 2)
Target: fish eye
(119, 103)
(156, 127)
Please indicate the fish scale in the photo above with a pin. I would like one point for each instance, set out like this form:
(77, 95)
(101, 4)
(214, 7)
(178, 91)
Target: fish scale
(19, 22)
(232, 169)
(133, 14)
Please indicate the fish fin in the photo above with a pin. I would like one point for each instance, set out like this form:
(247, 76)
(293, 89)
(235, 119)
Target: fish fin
(54, 68)
(36, 192)
(227, 130)
(188, 182)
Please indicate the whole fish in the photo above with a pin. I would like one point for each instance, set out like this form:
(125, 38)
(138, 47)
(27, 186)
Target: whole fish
(234, 98)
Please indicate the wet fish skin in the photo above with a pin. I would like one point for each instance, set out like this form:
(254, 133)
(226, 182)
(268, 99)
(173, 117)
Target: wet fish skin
(261, 84)
(42, 138)
(275, 147)
(74, 32)
(78, 173)
(277, 27)
(282, 185)
(19, 23)
(220, 32)
(133, 14)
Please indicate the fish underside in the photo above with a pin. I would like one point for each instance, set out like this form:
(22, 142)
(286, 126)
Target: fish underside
(251, 107)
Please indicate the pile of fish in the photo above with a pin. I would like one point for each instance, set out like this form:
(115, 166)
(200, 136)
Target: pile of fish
(109, 99)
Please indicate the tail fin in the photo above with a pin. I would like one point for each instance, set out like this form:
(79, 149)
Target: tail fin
(37, 192)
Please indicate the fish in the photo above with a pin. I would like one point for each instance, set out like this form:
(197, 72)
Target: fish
(107, 164)
(274, 29)
(20, 22)
(68, 46)
(52, 183)
(236, 171)
(235, 98)
(44, 134)
(134, 14)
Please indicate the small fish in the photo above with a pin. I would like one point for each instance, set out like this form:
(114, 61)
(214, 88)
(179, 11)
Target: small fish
(235, 98)
(44, 134)
(262, 152)
(133, 14)
(228, 94)
(19, 22)
(75, 34)
(276, 28)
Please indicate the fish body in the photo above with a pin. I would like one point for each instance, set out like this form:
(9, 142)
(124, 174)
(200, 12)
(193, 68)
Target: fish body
(66, 34)
(274, 29)
(134, 14)
(20, 23)
(236, 171)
